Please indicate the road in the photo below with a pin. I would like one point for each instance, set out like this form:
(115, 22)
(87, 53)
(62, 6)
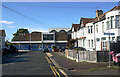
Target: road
(29, 64)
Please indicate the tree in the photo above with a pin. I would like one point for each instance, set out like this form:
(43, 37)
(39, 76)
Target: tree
(71, 43)
(20, 31)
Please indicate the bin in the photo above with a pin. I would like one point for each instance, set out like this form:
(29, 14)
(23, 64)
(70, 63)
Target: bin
(118, 59)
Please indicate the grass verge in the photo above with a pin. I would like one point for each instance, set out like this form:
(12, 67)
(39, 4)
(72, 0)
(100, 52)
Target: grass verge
(93, 69)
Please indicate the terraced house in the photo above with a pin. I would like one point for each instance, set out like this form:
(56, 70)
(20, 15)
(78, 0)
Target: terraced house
(90, 33)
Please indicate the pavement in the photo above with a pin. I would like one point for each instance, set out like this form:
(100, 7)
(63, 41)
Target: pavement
(29, 64)
(81, 69)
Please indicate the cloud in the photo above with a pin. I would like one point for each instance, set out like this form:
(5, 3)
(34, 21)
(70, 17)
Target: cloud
(7, 22)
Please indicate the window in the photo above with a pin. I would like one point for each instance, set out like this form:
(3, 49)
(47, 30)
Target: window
(103, 27)
(91, 29)
(92, 43)
(97, 28)
(47, 36)
(103, 38)
(118, 38)
(83, 31)
(89, 43)
(108, 27)
(117, 22)
(104, 45)
(44, 37)
(109, 22)
(88, 29)
(98, 39)
(113, 38)
(112, 22)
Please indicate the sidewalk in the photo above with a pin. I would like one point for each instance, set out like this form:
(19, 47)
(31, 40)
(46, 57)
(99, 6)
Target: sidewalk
(78, 68)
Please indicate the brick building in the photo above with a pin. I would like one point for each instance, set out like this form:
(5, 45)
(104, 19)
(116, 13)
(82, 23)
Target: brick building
(39, 40)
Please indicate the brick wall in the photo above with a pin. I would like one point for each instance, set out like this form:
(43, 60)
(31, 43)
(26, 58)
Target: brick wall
(61, 36)
(36, 36)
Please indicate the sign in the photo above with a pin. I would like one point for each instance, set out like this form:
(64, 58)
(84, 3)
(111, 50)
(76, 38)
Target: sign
(109, 33)
(109, 47)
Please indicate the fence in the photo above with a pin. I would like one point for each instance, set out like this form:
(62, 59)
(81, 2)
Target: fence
(89, 56)
(115, 47)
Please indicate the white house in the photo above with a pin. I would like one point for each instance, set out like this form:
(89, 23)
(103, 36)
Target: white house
(75, 33)
(81, 32)
(2, 39)
(91, 34)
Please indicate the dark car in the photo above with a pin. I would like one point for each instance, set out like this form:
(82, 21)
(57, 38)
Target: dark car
(9, 50)
(45, 50)
(62, 49)
(81, 48)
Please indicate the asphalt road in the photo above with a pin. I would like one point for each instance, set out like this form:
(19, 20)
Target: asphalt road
(34, 63)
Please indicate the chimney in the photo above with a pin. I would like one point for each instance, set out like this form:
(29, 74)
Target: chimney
(98, 13)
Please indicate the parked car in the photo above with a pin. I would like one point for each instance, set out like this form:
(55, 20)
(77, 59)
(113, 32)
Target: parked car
(9, 50)
(62, 49)
(45, 50)
(79, 48)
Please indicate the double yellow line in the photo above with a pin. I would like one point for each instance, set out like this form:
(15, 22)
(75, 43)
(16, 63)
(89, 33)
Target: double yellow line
(55, 72)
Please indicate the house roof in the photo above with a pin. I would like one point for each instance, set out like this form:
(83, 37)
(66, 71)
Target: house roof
(102, 16)
(2, 33)
(59, 29)
(75, 26)
(86, 20)
(116, 8)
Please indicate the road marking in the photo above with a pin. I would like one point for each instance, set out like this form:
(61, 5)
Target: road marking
(49, 54)
(52, 68)
(56, 71)
(53, 71)
(47, 59)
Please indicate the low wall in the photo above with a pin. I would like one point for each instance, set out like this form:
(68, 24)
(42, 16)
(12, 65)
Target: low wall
(88, 56)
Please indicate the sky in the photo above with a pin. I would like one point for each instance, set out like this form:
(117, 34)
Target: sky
(40, 16)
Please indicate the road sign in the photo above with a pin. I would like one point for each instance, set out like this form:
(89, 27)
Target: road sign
(109, 46)
(109, 33)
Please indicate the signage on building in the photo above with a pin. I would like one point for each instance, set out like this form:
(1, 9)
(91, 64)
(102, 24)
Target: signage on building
(109, 33)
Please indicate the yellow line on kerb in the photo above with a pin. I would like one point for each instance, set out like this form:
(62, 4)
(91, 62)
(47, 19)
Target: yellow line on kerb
(53, 71)
(56, 71)
(52, 68)
(47, 59)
